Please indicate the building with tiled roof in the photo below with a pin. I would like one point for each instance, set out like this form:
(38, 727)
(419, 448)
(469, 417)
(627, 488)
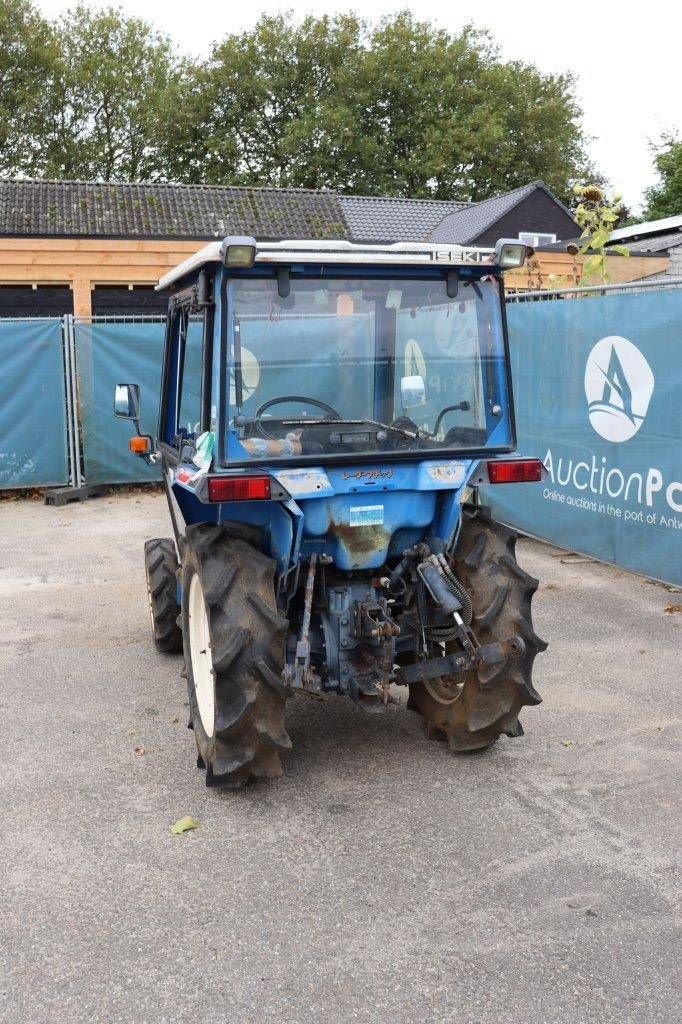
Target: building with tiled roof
(98, 247)
(77, 209)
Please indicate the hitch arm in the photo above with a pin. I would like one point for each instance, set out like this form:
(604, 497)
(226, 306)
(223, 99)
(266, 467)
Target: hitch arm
(454, 664)
(300, 673)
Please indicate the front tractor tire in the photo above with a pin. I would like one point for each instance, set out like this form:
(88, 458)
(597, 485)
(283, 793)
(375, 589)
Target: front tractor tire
(472, 711)
(161, 568)
(234, 641)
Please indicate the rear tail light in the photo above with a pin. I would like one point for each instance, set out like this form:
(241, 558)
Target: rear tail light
(238, 488)
(515, 471)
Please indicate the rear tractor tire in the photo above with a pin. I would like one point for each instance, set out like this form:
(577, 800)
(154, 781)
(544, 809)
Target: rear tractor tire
(234, 641)
(161, 568)
(473, 710)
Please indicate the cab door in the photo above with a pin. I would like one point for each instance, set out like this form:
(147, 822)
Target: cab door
(186, 398)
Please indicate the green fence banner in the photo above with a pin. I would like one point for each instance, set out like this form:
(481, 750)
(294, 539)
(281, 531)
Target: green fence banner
(598, 394)
(33, 438)
(110, 353)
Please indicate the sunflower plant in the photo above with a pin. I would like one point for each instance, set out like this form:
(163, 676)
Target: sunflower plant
(596, 216)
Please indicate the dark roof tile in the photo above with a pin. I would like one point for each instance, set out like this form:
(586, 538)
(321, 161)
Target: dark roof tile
(104, 209)
(89, 209)
(380, 219)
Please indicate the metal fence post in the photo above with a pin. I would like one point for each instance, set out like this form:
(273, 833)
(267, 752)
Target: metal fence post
(66, 348)
(72, 401)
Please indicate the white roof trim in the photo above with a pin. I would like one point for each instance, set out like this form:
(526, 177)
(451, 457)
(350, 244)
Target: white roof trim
(316, 251)
(664, 226)
(209, 254)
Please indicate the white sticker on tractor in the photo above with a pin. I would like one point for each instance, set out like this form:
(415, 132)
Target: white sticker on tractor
(447, 472)
(367, 515)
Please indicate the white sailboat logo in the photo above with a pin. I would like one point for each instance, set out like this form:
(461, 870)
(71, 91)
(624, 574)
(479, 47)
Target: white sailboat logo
(619, 384)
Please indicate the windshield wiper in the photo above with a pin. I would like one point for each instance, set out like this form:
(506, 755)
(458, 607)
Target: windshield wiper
(411, 434)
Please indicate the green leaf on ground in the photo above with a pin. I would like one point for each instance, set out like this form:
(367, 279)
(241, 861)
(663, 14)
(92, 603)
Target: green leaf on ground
(185, 824)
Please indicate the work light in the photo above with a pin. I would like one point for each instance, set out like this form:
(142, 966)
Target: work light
(238, 251)
(510, 253)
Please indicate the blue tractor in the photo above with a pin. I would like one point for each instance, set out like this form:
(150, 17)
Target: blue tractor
(328, 412)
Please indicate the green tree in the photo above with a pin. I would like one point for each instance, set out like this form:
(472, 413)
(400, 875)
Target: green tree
(272, 106)
(112, 80)
(396, 108)
(449, 118)
(399, 108)
(665, 199)
(28, 56)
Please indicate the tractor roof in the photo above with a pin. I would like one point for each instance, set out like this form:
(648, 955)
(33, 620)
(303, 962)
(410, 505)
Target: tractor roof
(323, 251)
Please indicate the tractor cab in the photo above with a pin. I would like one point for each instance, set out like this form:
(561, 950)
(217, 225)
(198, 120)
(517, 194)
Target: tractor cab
(339, 352)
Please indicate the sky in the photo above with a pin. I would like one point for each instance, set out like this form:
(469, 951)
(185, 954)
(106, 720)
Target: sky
(622, 54)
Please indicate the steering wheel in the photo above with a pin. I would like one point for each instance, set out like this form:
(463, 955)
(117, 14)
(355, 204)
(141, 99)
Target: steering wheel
(296, 398)
(331, 412)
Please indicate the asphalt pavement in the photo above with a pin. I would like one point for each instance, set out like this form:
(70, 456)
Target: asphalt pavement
(382, 879)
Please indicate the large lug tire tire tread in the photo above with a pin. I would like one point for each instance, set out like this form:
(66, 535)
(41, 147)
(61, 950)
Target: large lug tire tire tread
(247, 636)
(161, 567)
(488, 704)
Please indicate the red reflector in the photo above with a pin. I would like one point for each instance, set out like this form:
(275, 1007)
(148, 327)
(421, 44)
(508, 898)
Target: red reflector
(516, 471)
(238, 488)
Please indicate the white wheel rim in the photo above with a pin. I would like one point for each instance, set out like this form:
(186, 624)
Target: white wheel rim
(200, 650)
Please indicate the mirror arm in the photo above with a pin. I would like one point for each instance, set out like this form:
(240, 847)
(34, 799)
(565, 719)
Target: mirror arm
(283, 282)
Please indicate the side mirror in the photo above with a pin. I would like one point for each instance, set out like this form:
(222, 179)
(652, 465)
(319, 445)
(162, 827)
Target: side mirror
(127, 401)
(412, 391)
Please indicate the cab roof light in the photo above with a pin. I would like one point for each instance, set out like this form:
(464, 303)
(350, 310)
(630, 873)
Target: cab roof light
(515, 471)
(238, 488)
(510, 253)
(238, 252)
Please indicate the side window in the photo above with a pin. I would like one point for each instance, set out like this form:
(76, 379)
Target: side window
(190, 374)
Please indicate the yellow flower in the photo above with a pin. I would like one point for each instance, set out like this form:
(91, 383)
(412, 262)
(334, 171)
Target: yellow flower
(593, 193)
